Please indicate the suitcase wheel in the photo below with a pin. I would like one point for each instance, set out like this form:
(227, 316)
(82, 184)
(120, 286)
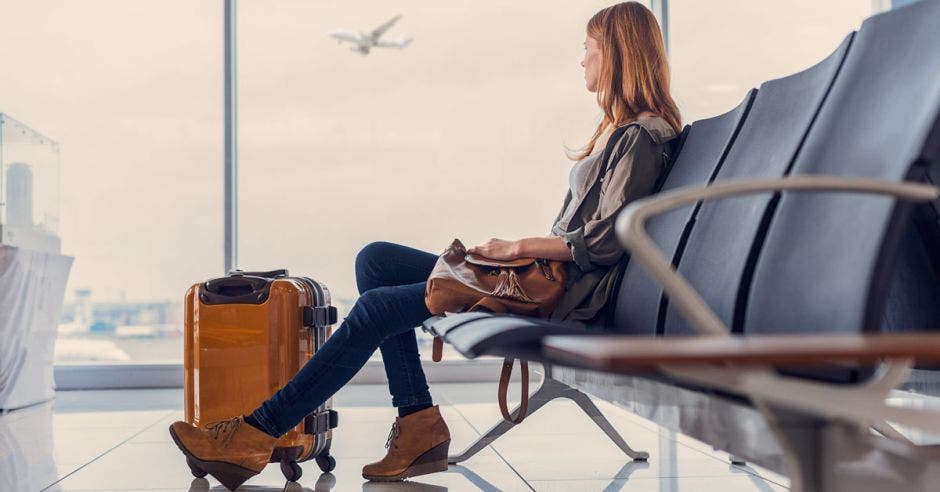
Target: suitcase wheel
(291, 470)
(194, 468)
(326, 462)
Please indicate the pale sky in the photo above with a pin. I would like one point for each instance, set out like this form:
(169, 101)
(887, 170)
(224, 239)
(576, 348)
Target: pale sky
(462, 134)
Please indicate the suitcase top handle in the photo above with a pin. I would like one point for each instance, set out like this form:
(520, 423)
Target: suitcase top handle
(236, 289)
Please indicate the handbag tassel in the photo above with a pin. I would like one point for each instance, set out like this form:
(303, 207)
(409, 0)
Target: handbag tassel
(508, 286)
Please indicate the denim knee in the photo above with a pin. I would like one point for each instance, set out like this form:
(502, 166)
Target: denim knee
(365, 261)
(369, 252)
(369, 313)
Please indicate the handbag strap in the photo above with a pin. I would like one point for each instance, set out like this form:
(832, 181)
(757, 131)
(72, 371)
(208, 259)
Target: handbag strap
(504, 388)
(494, 306)
(437, 348)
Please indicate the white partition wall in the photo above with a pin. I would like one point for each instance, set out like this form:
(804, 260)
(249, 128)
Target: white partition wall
(32, 286)
(33, 273)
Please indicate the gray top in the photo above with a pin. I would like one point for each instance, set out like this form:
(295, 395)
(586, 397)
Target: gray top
(578, 179)
(631, 173)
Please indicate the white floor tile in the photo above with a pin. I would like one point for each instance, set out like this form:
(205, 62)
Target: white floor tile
(158, 432)
(76, 446)
(127, 447)
(165, 468)
(695, 484)
(363, 414)
(479, 473)
(134, 466)
(107, 419)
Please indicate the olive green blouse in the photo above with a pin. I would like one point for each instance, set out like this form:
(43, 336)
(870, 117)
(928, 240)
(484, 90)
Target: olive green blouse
(632, 173)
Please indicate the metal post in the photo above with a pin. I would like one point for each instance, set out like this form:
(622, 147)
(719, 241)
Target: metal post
(660, 9)
(231, 141)
(3, 191)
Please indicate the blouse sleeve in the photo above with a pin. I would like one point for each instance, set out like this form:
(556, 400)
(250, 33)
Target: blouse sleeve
(561, 212)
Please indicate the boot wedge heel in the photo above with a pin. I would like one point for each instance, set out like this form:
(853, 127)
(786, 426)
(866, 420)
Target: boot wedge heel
(431, 461)
(435, 455)
(229, 475)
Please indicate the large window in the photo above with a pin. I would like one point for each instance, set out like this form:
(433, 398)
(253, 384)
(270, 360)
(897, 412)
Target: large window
(461, 134)
(720, 49)
(131, 92)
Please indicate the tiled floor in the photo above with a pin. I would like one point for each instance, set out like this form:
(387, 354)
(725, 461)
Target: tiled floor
(118, 440)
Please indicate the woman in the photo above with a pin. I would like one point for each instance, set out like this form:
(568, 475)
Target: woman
(625, 64)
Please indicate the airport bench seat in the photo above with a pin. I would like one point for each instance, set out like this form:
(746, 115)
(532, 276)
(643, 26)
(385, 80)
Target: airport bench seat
(808, 209)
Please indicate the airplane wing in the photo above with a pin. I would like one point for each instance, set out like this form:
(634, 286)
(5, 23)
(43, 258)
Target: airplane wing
(397, 43)
(379, 31)
(341, 35)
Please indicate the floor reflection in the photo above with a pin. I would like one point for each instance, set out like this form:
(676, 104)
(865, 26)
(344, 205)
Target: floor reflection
(326, 482)
(410, 485)
(27, 448)
(11, 460)
(623, 476)
(117, 441)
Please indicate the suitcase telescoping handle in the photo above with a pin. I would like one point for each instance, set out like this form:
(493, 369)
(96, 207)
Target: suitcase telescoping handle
(269, 274)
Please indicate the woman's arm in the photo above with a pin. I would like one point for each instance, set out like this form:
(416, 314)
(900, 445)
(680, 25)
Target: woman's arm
(549, 248)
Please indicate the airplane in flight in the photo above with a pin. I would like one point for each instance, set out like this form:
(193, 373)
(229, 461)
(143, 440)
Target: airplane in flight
(363, 42)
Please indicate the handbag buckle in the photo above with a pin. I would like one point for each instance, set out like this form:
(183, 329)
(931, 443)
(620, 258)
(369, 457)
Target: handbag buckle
(543, 266)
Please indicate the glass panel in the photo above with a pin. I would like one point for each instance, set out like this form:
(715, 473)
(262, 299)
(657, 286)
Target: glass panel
(29, 195)
(460, 134)
(132, 94)
(721, 48)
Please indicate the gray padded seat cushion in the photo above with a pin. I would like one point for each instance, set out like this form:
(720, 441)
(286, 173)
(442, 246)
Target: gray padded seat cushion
(637, 303)
(475, 334)
(827, 257)
(716, 254)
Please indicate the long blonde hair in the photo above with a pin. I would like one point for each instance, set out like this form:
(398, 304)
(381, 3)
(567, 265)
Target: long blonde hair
(634, 74)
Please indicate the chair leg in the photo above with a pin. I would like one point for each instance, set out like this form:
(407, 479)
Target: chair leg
(549, 390)
(584, 401)
(536, 401)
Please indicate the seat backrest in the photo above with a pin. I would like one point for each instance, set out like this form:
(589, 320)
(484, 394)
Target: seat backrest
(605, 317)
(715, 258)
(911, 301)
(828, 258)
(638, 299)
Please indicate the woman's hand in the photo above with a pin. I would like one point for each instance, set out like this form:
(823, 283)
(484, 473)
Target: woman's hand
(497, 249)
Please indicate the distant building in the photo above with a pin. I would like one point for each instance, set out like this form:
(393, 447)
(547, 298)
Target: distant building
(108, 315)
(29, 193)
(19, 194)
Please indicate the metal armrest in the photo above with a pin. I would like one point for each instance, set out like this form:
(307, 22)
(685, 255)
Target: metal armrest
(631, 227)
(626, 354)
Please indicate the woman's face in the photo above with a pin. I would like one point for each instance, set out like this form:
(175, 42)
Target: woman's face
(591, 63)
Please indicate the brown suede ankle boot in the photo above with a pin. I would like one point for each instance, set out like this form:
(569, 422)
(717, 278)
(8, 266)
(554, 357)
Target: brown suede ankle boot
(417, 445)
(230, 450)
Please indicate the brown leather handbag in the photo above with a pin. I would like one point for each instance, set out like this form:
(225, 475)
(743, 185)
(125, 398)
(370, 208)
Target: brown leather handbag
(463, 282)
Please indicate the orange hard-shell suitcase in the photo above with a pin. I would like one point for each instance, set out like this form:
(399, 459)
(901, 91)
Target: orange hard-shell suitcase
(247, 334)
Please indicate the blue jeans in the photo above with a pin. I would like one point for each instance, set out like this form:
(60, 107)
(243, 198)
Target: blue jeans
(391, 280)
